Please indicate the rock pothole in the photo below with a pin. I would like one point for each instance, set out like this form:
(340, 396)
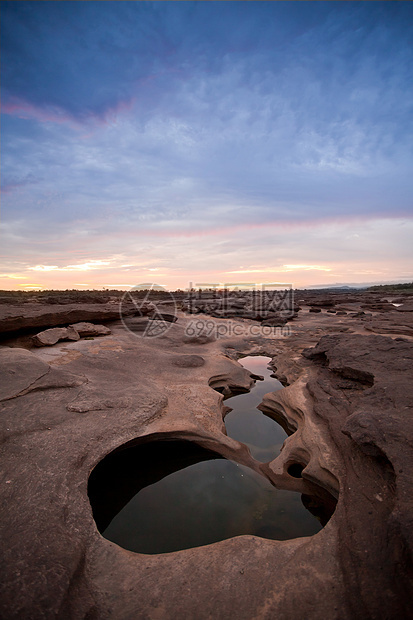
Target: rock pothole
(165, 496)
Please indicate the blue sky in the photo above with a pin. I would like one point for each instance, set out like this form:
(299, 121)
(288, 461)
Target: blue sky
(206, 141)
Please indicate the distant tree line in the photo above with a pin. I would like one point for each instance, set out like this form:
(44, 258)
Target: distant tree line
(391, 287)
(93, 296)
(59, 296)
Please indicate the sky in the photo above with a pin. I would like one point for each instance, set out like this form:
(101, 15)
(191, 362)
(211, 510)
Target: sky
(205, 143)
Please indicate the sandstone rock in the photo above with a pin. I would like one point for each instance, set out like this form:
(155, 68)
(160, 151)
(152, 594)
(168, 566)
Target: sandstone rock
(274, 322)
(238, 304)
(405, 307)
(19, 369)
(243, 305)
(199, 339)
(90, 329)
(332, 351)
(376, 417)
(51, 336)
(22, 372)
(195, 305)
(164, 316)
(28, 316)
(347, 409)
(391, 323)
(281, 316)
(382, 307)
(325, 302)
(145, 308)
(188, 361)
(349, 299)
(401, 300)
(72, 298)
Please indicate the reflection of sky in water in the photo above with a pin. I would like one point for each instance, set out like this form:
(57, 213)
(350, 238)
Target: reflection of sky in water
(246, 423)
(207, 502)
(215, 499)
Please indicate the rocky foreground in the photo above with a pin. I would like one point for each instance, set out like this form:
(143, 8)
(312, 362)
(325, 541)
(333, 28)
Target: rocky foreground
(347, 365)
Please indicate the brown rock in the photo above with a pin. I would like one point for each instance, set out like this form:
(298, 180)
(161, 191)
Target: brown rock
(163, 316)
(188, 361)
(145, 308)
(375, 503)
(28, 316)
(274, 322)
(348, 412)
(90, 329)
(381, 306)
(51, 336)
(201, 339)
(19, 369)
(22, 372)
(391, 323)
(325, 302)
(405, 307)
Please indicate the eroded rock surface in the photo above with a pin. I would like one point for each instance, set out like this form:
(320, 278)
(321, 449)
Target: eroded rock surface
(28, 316)
(74, 332)
(188, 361)
(50, 336)
(347, 407)
(391, 323)
(90, 329)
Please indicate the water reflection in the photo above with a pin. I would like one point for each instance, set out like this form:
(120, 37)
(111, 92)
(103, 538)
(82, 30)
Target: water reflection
(166, 496)
(263, 436)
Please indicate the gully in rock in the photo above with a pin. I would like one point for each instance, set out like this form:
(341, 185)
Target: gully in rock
(245, 423)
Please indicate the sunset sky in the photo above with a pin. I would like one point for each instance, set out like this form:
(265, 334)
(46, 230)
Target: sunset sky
(206, 142)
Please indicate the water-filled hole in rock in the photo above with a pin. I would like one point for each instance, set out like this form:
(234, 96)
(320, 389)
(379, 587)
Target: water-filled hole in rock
(165, 496)
(247, 424)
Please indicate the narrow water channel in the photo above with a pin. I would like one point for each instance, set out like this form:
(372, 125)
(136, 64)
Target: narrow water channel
(247, 424)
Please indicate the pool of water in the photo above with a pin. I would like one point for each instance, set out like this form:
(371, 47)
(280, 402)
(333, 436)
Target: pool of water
(170, 495)
(263, 436)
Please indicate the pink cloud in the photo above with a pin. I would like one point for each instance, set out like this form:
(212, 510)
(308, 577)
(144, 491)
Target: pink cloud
(26, 110)
(55, 114)
(280, 225)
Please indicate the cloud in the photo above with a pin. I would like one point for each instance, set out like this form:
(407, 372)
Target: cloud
(45, 268)
(306, 267)
(54, 114)
(178, 134)
(282, 268)
(93, 264)
(351, 251)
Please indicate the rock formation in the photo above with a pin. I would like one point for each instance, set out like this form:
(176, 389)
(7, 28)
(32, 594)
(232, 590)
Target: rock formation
(50, 336)
(347, 407)
(29, 316)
